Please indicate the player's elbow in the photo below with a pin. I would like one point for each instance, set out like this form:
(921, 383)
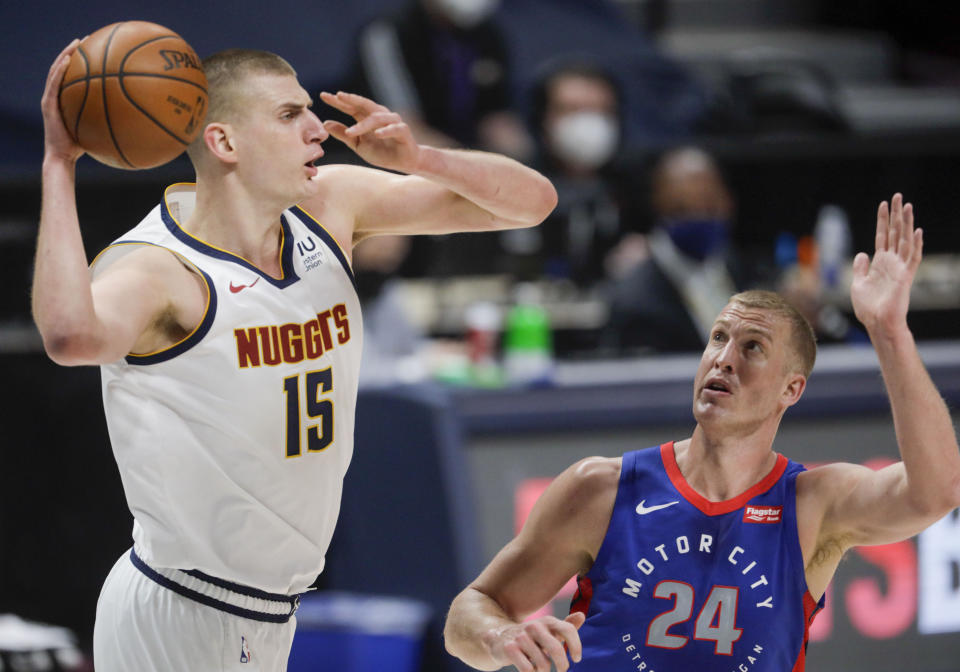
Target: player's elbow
(71, 348)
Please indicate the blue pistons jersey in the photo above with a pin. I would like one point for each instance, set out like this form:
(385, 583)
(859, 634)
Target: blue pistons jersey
(683, 583)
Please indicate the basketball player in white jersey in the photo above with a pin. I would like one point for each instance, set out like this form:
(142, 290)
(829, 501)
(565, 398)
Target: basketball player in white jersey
(229, 335)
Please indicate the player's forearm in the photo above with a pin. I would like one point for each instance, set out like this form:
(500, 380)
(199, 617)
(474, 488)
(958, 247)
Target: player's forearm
(62, 300)
(471, 619)
(924, 429)
(504, 187)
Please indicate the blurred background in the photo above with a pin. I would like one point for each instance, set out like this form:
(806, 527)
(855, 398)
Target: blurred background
(698, 147)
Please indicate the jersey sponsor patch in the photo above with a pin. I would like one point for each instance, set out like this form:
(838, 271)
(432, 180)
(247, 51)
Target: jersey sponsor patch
(762, 514)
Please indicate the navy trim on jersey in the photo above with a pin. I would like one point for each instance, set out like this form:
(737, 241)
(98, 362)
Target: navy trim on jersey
(189, 341)
(286, 253)
(170, 584)
(328, 240)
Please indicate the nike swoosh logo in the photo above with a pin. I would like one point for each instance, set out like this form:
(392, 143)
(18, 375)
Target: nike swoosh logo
(644, 510)
(237, 288)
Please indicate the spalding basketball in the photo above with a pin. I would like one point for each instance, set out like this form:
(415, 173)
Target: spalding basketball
(134, 95)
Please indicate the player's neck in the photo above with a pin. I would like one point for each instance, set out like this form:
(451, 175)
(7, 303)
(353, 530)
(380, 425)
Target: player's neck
(722, 467)
(233, 220)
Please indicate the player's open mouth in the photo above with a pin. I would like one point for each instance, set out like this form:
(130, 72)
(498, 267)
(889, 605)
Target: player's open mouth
(311, 166)
(717, 386)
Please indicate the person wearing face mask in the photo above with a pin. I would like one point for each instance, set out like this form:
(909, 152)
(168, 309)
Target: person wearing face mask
(443, 65)
(577, 116)
(667, 302)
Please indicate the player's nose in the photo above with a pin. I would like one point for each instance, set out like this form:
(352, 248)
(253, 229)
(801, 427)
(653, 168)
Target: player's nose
(726, 358)
(315, 132)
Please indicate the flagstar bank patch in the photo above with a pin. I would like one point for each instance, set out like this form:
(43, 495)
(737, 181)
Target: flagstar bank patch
(762, 514)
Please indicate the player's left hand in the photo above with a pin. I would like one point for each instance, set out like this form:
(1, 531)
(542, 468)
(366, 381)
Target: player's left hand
(380, 137)
(57, 140)
(880, 291)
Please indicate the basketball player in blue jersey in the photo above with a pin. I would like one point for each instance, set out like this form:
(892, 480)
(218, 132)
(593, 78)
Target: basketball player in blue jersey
(228, 330)
(714, 552)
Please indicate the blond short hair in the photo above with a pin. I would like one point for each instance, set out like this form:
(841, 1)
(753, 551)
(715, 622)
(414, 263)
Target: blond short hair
(226, 73)
(802, 337)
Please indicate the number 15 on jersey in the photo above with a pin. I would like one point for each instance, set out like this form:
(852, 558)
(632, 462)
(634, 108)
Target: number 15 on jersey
(315, 411)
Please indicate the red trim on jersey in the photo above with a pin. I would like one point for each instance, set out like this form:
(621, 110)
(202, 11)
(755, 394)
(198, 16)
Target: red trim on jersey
(810, 609)
(581, 599)
(704, 504)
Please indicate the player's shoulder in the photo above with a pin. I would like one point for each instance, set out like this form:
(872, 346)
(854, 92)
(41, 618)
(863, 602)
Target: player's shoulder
(828, 482)
(592, 477)
(145, 266)
(150, 258)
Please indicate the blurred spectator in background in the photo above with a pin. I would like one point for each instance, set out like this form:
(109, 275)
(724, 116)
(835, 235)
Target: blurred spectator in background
(577, 117)
(392, 344)
(668, 301)
(444, 67)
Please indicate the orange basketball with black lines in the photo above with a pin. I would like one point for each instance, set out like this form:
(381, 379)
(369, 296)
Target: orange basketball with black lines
(134, 95)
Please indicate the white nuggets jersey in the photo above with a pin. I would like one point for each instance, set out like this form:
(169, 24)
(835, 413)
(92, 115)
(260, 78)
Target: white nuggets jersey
(233, 443)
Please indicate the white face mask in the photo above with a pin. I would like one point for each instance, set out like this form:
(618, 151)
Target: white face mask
(466, 13)
(585, 140)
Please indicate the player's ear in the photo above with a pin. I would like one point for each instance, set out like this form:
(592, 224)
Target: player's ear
(220, 141)
(793, 389)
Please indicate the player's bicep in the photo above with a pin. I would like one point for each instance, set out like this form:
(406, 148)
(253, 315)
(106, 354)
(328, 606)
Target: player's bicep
(868, 507)
(126, 305)
(559, 540)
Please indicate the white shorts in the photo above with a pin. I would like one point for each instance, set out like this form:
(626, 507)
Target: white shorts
(191, 623)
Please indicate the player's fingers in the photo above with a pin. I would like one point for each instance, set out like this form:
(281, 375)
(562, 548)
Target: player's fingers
(339, 131)
(516, 657)
(896, 222)
(533, 653)
(391, 131)
(567, 631)
(334, 100)
(861, 264)
(917, 249)
(883, 223)
(551, 645)
(361, 102)
(906, 232)
(59, 67)
(576, 619)
(373, 122)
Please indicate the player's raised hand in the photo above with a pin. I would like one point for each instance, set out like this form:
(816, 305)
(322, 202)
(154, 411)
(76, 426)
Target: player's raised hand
(57, 141)
(533, 645)
(881, 287)
(379, 136)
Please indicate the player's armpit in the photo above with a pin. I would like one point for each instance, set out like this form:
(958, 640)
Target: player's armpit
(141, 303)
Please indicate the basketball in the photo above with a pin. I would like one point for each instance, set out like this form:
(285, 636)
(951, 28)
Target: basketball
(134, 95)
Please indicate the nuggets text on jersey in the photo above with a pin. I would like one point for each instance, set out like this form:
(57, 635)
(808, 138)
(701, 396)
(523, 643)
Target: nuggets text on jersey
(292, 342)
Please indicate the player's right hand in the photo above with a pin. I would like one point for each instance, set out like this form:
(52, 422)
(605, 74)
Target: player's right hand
(532, 646)
(57, 141)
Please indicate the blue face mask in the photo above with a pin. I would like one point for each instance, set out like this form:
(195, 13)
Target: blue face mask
(697, 237)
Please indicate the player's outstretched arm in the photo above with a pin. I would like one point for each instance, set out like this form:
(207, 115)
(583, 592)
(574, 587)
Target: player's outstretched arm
(441, 190)
(82, 323)
(485, 626)
(902, 499)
